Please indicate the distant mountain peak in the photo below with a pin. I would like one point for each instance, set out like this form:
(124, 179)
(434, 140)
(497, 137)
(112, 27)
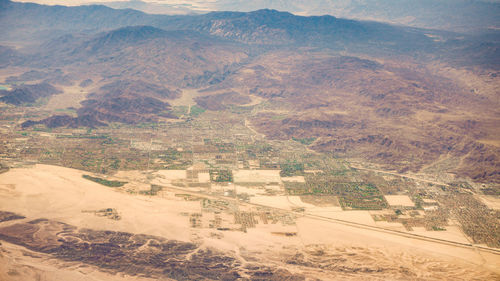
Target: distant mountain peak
(131, 34)
(269, 11)
(138, 30)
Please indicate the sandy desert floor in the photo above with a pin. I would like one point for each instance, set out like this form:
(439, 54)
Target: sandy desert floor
(297, 247)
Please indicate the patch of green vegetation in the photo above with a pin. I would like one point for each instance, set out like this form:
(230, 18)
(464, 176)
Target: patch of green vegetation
(362, 196)
(461, 184)
(221, 175)
(109, 141)
(491, 191)
(291, 169)
(437, 228)
(173, 159)
(179, 111)
(225, 147)
(241, 109)
(304, 141)
(296, 188)
(82, 136)
(105, 181)
(115, 163)
(418, 202)
(66, 110)
(170, 155)
(196, 111)
(42, 129)
(352, 195)
(278, 117)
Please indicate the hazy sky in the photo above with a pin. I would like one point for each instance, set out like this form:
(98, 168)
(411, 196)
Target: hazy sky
(175, 2)
(196, 5)
(81, 2)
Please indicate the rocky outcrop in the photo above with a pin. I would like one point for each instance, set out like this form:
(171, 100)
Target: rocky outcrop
(136, 254)
(28, 94)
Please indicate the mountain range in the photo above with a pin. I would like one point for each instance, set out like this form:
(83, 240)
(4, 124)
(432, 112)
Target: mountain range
(404, 97)
(452, 15)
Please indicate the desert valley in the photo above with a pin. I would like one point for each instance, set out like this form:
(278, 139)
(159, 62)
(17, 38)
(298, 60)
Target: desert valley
(245, 146)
